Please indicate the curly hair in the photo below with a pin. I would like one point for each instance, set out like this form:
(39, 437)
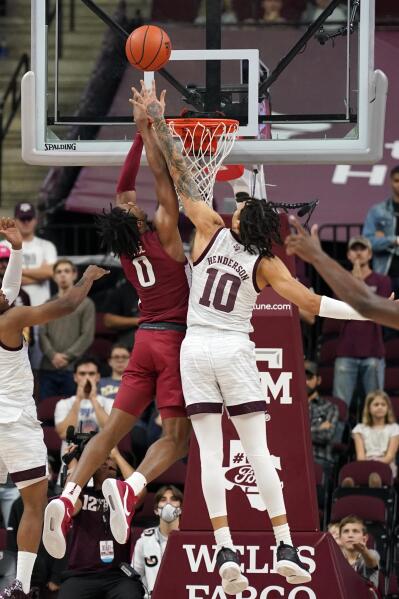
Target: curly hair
(259, 227)
(119, 232)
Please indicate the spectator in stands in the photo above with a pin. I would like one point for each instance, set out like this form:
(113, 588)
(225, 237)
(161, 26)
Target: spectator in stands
(122, 313)
(365, 360)
(118, 361)
(377, 436)
(94, 556)
(228, 14)
(271, 11)
(64, 340)
(314, 9)
(333, 529)
(382, 229)
(86, 411)
(39, 255)
(151, 546)
(323, 418)
(353, 539)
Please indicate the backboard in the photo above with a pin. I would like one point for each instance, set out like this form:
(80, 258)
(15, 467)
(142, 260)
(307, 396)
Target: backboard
(327, 102)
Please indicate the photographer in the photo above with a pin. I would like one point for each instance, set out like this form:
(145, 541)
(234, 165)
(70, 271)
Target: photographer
(94, 557)
(86, 411)
(150, 547)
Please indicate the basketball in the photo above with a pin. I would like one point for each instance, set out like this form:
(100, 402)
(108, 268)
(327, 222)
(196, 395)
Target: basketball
(148, 48)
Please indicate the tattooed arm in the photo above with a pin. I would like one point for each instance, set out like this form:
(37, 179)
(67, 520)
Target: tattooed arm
(203, 217)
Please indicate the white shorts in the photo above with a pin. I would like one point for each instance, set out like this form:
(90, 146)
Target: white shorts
(23, 453)
(218, 368)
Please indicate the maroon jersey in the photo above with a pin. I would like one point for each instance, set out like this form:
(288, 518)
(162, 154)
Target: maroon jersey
(160, 281)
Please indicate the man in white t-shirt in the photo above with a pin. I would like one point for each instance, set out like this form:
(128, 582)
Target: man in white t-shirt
(86, 411)
(39, 255)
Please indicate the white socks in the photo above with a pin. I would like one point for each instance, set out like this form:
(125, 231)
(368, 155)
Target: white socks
(137, 482)
(223, 538)
(282, 533)
(71, 492)
(25, 565)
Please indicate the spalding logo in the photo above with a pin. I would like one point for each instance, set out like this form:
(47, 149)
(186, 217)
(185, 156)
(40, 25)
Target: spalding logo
(70, 146)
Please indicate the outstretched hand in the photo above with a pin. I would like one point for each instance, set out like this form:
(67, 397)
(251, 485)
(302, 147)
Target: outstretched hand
(146, 100)
(301, 243)
(94, 272)
(10, 232)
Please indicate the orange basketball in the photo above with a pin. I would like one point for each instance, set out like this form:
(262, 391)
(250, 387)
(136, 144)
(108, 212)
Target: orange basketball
(148, 48)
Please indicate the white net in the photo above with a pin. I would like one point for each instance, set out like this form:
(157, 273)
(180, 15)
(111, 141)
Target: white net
(205, 145)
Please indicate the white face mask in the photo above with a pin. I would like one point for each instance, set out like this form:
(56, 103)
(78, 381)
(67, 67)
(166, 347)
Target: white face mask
(169, 513)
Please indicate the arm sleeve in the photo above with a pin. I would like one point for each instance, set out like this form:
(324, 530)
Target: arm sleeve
(332, 308)
(12, 277)
(127, 177)
(87, 329)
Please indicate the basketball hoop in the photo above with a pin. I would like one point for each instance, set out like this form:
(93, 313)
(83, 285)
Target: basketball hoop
(205, 145)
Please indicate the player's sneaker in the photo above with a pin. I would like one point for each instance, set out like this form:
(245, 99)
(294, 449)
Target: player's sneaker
(228, 563)
(57, 522)
(121, 500)
(14, 591)
(290, 565)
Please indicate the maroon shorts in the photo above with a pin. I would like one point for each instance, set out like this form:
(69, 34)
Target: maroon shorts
(153, 372)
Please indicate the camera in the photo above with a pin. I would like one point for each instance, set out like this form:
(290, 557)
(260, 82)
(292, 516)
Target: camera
(80, 440)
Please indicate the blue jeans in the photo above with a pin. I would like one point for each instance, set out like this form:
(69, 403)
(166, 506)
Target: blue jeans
(347, 371)
(56, 382)
(7, 497)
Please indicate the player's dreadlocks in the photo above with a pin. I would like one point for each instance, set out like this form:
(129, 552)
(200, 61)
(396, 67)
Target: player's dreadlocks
(259, 227)
(119, 232)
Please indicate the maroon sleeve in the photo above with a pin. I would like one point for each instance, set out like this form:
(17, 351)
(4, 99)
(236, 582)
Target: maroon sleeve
(127, 177)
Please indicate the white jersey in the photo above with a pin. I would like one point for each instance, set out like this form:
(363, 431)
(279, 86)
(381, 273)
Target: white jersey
(16, 382)
(223, 290)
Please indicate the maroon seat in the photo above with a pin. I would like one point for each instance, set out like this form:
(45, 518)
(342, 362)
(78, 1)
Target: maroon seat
(391, 379)
(392, 351)
(327, 379)
(369, 509)
(51, 439)
(392, 586)
(101, 348)
(360, 472)
(395, 406)
(46, 408)
(328, 352)
(175, 475)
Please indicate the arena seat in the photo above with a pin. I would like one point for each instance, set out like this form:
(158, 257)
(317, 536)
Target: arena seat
(46, 408)
(395, 406)
(327, 379)
(175, 475)
(52, 439)
(392, 587)
(391, 379)
(360, 472)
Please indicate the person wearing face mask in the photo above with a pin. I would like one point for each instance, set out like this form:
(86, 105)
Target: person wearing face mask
(323, 417)
(150, 547)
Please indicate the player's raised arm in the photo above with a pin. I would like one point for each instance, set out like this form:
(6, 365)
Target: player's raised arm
(346, 287)
(21, 317)
(202, 216)
(274, 272)
(167, 214)
(12, 277)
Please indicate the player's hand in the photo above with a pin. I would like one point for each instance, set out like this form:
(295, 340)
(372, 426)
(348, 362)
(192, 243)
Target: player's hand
(140, 116)
(9, 230)
(59, 360)
(148, 100)
(94, 272)
(301, 243)
(80, 391)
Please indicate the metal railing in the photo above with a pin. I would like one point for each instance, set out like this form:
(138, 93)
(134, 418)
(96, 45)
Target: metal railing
(9, 105)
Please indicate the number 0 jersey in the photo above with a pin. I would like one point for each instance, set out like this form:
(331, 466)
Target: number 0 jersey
(223, 288)
(160, 281)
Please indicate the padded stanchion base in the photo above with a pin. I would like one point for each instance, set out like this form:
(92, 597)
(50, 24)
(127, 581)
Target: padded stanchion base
(188, 569)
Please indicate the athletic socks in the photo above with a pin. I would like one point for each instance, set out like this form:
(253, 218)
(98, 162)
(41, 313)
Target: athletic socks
(71, 492)
(127, 177)
(137, 482)
(282, 533)
(25, 565)
(223, 538)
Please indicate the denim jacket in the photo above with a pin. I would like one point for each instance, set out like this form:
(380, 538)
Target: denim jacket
(381, 217)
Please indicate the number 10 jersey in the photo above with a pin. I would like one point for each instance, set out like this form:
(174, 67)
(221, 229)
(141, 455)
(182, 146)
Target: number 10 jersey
(223, 289)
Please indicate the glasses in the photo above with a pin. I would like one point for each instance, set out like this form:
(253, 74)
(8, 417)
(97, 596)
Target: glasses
(25, 219)
(119, 357)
